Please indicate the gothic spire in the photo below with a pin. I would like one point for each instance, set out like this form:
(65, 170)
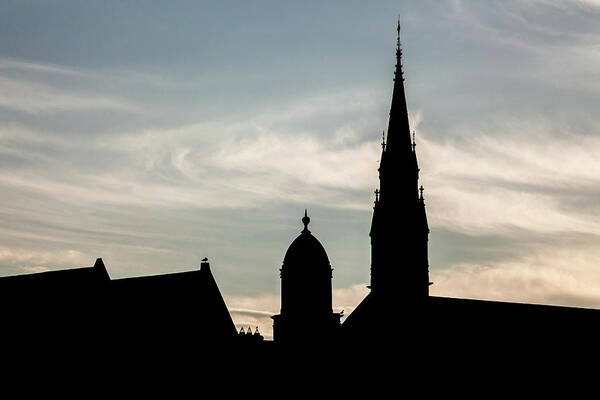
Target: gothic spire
(399, 210)
(398, 128)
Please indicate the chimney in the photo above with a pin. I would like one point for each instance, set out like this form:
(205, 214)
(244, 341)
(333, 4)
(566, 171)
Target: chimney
(204, 265)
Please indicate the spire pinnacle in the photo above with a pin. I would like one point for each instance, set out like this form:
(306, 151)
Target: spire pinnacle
(398, 126)
(398, 30)
(421, 190)
(398, 53)
(383, 140)
(414, 142)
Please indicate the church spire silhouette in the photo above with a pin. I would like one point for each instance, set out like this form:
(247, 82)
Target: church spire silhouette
(398, 122)
(399, 230)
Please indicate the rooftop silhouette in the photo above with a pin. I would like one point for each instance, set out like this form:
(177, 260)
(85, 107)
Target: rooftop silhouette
(398, 314)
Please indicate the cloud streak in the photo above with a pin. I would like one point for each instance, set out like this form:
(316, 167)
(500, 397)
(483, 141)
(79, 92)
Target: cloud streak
(498, 183)
(38, 99)
(544, 274)
(21, 65)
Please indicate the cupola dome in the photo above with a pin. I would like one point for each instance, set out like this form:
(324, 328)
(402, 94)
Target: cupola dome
(306, 250)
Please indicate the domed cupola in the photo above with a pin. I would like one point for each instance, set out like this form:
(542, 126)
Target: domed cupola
(305, 291)
(306, 252)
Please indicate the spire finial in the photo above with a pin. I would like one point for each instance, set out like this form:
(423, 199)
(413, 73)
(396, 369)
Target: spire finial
(421, 190)
(305, 221)
(398, 53)
(398, 30)
(414, 143)
(383, 140)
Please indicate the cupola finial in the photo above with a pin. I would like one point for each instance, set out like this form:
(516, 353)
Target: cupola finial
(306, 221)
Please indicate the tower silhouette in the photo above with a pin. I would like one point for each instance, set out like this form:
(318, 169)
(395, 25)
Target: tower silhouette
(399, 314)
(306, 311)
(399, 230)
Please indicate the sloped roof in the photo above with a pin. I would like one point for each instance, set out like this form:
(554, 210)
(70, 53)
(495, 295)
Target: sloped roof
(193, 294)
(380, 316)
(170, 302)
(60, 279)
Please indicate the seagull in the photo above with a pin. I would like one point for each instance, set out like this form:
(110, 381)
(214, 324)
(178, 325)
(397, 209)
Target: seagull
(205, 259)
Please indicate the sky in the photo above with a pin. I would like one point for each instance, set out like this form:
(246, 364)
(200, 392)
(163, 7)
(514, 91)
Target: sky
(153, 134)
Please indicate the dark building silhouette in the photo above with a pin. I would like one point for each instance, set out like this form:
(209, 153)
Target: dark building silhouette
(399, 314)
(399, 230)
(70, 305)
(184, 313)
(306, 292)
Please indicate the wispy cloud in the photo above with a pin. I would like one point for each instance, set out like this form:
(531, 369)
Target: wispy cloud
(207, 164)
(38, 98)
(521, 180)
(37, 261)
(544, 274)
(21, 65)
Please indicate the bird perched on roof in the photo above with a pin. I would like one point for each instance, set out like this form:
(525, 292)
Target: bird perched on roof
(205, 259)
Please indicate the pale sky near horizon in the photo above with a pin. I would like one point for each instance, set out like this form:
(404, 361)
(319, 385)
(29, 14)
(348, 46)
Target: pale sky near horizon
(153, 134)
